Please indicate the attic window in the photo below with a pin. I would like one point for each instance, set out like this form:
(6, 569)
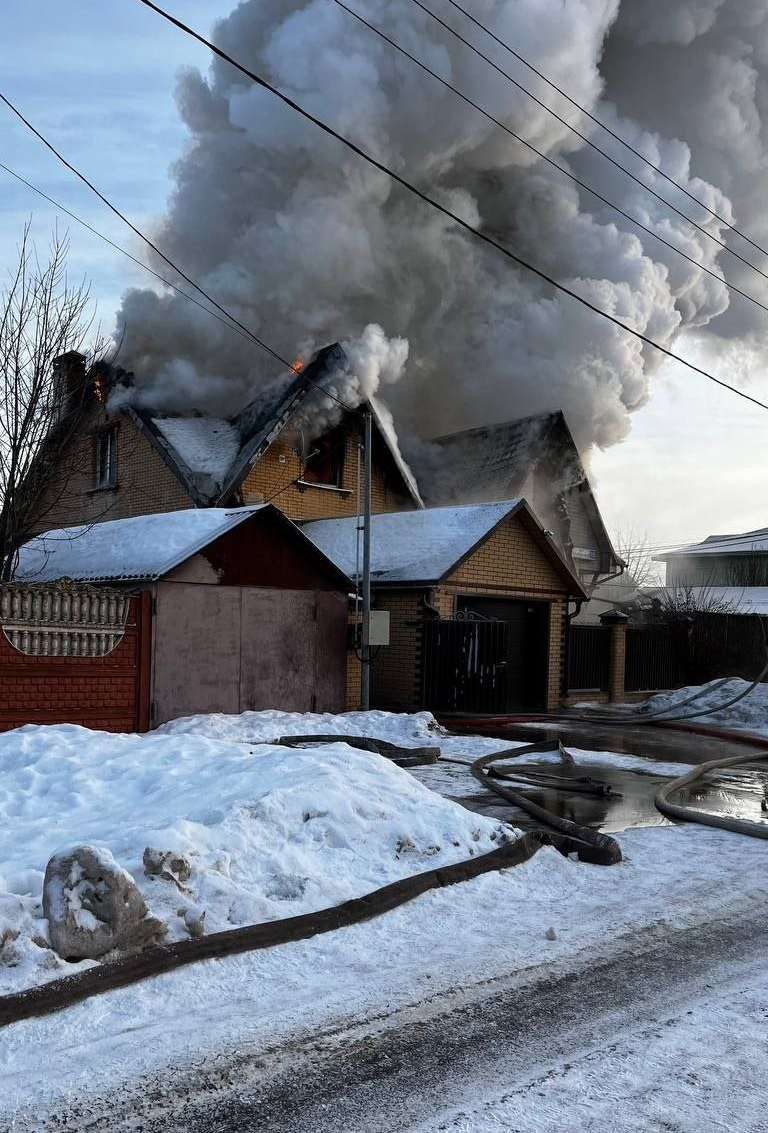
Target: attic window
(105, 459)
(325, 463)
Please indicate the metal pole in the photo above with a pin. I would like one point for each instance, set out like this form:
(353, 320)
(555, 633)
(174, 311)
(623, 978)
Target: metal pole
(365, 669)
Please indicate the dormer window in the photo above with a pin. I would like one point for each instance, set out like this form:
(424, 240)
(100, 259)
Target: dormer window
(105, 458)
(325, 462)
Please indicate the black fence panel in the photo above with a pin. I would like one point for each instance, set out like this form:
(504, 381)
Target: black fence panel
(722, 645)
(653, 659)
(588, 655)
(464, 666)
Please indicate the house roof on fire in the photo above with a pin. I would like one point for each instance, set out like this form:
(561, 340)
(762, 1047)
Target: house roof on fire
(140, 549)
(422, 547)
(497, 462)
(211, 455)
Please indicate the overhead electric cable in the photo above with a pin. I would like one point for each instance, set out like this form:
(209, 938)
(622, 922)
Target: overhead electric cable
(588, 141)
(613, 133)
(113, 208)
(550, 161)
(124, 251)
(486, 239)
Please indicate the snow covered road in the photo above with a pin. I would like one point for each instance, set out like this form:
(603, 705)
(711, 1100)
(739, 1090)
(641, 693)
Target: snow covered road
(667, 1033)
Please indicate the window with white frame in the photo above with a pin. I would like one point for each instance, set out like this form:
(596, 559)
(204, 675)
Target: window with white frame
(105, 459)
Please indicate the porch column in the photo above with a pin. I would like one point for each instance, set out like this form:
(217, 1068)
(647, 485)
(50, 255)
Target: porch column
(616, 622)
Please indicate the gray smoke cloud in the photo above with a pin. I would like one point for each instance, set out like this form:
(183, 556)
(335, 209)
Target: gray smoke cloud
(306, 244)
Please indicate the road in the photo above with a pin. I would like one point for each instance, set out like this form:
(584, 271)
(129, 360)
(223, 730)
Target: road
(491, 1056)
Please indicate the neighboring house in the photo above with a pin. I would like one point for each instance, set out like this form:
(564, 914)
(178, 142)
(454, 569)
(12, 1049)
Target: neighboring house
(720, 560)
(133, 461)
(537, 459)
(247, 613)
(478, 598)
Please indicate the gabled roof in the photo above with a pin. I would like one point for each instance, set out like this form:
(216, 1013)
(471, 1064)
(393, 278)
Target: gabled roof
(495, 462)
(423, 547)
(750, 543)
(140, 549)
(211, 455)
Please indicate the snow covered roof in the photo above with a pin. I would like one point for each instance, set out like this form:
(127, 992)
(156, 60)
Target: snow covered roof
(719, 599)
(409, 547)
(205, 444)
(142, 548)
(210, 455)
(749, 543)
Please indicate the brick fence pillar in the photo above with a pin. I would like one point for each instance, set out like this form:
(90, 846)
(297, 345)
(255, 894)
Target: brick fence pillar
(616, 622)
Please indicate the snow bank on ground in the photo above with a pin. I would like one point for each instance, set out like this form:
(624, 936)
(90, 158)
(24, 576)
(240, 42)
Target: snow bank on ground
(269, 832)
(266, 727)
(749, 714)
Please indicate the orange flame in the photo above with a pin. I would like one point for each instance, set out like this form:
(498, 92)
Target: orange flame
(98, 389)
(297, 365)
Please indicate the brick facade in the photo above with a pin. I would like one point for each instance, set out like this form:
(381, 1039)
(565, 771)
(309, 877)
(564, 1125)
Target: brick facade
(146, 485)
(273, 478)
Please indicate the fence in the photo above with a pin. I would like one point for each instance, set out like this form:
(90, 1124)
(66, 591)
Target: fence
(588, 658)
(74, 654)
(653, 658)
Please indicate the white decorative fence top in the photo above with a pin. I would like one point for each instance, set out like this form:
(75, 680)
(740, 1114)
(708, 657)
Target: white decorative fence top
(62, 619)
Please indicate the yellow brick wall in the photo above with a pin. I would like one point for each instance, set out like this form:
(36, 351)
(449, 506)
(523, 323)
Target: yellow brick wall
(272, 478)
(144, 483)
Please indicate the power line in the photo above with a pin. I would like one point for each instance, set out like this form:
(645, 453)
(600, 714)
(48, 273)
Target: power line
(588, 141)
(550, 161)
(113, 208)
(133, 228)
(331, 132)
(599, 122)
(118, 248)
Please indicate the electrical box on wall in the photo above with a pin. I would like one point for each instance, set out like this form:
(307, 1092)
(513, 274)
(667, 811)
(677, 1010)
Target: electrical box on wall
(379, 625)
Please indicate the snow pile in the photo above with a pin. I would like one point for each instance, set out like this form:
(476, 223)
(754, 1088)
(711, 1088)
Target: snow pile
(408, 729)
(750, 714)
(267, 832)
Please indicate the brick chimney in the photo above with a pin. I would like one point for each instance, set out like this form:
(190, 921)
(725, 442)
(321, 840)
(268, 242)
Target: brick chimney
(70, 379)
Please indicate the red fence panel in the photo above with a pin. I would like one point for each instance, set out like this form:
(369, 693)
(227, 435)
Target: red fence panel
(109, 693)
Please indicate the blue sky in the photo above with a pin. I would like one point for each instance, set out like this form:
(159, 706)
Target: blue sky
(98, 78)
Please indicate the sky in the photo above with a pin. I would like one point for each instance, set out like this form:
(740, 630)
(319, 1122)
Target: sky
(98, 79)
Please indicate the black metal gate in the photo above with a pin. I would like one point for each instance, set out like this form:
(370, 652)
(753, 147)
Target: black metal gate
(588, 658)
(464, 666)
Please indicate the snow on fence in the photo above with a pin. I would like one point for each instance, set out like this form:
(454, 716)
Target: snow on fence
(62, 619)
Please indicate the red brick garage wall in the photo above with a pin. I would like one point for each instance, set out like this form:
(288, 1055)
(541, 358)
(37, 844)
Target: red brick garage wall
(108, 693)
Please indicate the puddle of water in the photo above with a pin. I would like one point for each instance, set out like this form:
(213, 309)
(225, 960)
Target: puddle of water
(737, 794)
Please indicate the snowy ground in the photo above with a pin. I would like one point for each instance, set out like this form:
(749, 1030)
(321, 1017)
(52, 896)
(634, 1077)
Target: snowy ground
(749, 714)
(698, 1068)
(271, 832)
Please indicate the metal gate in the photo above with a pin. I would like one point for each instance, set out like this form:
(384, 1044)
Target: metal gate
(464, 666)
(588, 658)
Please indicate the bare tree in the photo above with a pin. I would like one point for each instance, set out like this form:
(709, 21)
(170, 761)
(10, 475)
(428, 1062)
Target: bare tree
(635, 549)
(43, 316)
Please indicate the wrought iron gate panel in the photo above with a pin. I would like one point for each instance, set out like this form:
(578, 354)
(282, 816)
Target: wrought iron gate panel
(464, 665)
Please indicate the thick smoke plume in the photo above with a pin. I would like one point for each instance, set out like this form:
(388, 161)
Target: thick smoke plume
(306, 244)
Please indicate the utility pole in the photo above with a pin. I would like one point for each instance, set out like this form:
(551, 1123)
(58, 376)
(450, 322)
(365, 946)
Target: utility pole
(365, 655)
